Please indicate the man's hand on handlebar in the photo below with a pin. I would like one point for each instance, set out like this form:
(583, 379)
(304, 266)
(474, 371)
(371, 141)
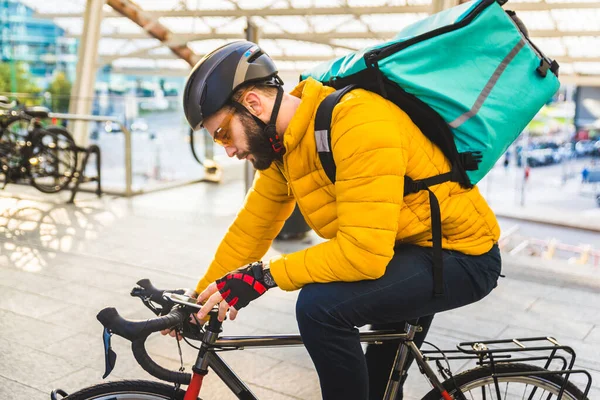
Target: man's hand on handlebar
(210, 297)
(173, 332)
(234, 291)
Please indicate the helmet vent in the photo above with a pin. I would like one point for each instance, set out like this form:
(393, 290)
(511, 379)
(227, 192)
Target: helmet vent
(255, 55)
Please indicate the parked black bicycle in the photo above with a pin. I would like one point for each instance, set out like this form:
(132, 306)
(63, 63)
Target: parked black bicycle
(45, 156)
(501, 373)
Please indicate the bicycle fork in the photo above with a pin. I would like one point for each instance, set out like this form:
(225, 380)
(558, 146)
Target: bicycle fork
(208, 358)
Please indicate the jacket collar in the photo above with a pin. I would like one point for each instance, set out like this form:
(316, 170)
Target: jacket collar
(311, 93)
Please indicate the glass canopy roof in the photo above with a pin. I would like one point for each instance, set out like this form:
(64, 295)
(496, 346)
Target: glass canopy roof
(300, 33)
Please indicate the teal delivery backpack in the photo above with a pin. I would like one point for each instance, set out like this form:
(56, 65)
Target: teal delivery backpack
(469, 77)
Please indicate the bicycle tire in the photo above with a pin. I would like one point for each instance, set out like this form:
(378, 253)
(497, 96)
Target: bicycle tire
(13, 132)
(64, 177)
(146, 390)
(479, 377)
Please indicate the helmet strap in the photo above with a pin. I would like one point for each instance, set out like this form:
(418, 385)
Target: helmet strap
(270, 130)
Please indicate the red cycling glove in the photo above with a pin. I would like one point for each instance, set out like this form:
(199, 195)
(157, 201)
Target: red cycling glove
(240, 287)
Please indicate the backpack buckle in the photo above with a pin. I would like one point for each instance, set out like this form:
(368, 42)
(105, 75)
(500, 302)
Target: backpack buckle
(543, 68)
(411, 186)
(470, 160)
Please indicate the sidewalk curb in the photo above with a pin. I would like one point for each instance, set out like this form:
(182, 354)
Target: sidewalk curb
(551, 272)
(562, 220)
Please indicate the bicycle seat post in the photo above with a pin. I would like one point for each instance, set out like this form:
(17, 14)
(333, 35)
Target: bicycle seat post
(411, 328)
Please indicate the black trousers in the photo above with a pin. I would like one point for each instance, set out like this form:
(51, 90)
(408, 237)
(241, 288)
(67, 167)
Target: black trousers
(328, 314)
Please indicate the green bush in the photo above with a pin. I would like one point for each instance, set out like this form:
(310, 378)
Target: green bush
(15, 78)
(60, 89)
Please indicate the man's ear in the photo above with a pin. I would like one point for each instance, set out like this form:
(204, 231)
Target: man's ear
(254, 103)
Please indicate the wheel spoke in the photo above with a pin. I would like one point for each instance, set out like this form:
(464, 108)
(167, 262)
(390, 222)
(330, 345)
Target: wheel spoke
(55, 158)
(490, 390)
(529, 386)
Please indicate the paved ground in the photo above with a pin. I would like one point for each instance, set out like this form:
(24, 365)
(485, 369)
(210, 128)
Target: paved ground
(60, 264)
(546, 197)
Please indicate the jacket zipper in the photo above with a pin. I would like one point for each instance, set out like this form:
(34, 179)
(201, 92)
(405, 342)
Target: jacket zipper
(290, 190)
(287, 181)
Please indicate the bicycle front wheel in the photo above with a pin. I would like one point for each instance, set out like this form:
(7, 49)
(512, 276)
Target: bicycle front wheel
(54, 159)
(128, 390)
(477, 384)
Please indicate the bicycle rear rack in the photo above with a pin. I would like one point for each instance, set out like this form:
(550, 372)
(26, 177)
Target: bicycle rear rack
(494, 352)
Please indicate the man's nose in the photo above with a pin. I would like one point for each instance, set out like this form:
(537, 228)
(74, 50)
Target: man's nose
(231, 150)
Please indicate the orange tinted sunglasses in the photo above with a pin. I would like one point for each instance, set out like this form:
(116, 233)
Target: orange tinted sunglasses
(222, 135)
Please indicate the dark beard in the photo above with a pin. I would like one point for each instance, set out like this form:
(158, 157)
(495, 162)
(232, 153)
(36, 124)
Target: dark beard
(258, 145)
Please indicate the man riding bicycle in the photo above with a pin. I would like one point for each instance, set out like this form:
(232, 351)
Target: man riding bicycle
(376, 266)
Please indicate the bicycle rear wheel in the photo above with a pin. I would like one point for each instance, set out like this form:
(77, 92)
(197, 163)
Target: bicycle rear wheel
(129, 390)
(477, 384)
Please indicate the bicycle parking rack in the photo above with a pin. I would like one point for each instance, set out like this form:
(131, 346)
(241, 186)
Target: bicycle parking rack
(92, 149)
(492, 356)
(79, 174)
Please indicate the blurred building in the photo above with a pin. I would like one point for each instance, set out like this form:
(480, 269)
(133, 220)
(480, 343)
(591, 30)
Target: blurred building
(39, 43)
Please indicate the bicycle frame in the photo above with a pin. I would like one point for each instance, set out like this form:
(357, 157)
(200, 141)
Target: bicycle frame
(491, 360)
(211, 344)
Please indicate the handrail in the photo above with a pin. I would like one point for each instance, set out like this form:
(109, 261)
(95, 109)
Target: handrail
(99, 118)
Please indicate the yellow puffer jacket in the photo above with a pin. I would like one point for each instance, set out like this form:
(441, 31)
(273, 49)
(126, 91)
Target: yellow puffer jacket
(375, 144)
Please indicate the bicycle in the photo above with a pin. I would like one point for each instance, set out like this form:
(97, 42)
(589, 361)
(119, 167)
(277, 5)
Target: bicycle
(44, 156)
(490, 380)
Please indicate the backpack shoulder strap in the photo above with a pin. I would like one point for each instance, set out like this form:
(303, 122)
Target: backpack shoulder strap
(323, 129)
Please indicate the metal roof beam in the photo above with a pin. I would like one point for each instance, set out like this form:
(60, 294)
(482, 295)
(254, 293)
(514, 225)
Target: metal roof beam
(109, 58)
(308, 37)
(266, 12)
(143, 53)
(569, 59)
(543, 6)
(151, 71)
(275, 12)
(552, 33)
(153, 27)
(299, 58)
(581, 80)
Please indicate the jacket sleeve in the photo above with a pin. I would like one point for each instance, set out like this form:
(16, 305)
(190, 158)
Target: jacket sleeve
(266, 207)
(368, 152)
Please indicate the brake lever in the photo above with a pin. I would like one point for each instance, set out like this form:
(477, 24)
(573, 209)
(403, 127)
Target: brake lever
(110, 357)
(146, 299)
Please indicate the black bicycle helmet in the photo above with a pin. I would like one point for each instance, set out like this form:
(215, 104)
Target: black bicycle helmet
(219, 74)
